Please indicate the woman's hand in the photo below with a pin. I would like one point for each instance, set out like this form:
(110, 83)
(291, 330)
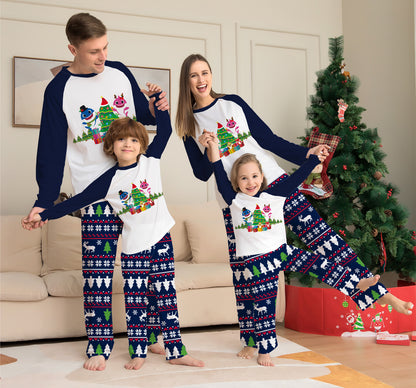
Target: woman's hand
(207, 136)
(321, 151)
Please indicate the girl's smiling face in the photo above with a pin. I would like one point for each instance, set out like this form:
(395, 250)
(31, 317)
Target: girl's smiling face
(249, 178)
(127, 149)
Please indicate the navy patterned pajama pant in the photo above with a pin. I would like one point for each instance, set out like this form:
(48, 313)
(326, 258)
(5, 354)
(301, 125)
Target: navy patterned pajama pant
(259, 275)
(100, 232)
(318, 236)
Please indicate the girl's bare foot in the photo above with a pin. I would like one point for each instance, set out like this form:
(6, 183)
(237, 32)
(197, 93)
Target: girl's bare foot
(366, 283)
(247, 352)
(135, 363)
(95, 363)
(156, 348)
(399, 305)
(264, 360)
(186, 360)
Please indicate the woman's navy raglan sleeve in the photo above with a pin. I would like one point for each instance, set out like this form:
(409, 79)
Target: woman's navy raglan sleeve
(289, 185)
(141, 104)
(201, 165)
(163, 132)
(266, 138)
(52, 143)
(93, 192)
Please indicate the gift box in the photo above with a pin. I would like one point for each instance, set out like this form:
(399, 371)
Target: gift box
(327, 311)
(392, 339)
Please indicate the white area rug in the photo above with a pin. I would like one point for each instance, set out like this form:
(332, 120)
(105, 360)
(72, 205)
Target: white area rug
(60, 365)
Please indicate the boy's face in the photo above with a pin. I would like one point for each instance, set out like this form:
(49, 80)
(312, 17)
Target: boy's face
(127, 150)
(90, 55)
(249, 178)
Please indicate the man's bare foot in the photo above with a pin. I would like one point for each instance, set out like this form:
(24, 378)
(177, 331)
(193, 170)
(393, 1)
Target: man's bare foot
(187, 360)
(265, 360)
(95, 363)
(135, 363)
(366, 283)
(156, 348)
(247, 352)
(399, 305)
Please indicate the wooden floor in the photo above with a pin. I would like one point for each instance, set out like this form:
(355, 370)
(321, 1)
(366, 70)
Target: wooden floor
(392, 364)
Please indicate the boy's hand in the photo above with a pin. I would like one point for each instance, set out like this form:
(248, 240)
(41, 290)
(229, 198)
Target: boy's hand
(161, 104)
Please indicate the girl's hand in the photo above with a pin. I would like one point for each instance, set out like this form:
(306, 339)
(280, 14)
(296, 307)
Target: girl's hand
(213, 150)
(205, 137)
(33, 223)
(321, 151)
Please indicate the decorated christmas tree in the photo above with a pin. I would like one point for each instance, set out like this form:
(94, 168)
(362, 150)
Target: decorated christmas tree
(106, 115)
(363, 208)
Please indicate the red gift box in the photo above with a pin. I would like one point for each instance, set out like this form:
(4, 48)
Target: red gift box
(392, 339)
(329, 312)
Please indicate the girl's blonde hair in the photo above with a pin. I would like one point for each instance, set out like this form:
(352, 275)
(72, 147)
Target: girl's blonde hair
(185, 121)
(244, 159)
(125, 127)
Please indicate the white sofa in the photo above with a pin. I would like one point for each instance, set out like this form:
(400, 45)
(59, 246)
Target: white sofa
(41, 280)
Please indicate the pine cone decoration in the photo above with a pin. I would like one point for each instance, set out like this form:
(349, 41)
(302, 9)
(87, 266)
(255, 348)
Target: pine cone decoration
(388, 212)
(378, 175)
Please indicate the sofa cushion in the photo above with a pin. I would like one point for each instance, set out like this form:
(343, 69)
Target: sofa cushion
(22, 287)
(20, 250)
(71, 283)
(181, 247)
(190, 276)
(207, 235)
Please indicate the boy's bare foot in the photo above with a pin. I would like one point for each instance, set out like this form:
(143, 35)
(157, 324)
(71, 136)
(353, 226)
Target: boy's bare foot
(265, 360)
(95, 363)
(156, 348)
(399, 305)
(187, 360)
(247, 352)
(366, 283)
(135, 363)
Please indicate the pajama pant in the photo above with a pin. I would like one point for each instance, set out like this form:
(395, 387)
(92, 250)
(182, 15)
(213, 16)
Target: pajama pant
(259, 276)
(305, 222)
(156, 264)
(100, 233)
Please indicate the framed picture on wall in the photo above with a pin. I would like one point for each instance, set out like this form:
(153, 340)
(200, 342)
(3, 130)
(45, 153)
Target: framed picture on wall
(32, 75)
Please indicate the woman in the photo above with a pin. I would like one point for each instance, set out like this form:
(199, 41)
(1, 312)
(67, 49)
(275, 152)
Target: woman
(202, 114)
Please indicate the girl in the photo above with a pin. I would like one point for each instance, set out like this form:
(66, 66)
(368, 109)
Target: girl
(203, 113)
(133, 188)
(257, 213)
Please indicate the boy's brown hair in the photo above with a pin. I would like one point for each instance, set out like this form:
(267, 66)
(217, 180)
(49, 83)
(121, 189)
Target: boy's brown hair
(83, 26)
(244, 159)
(125, 127)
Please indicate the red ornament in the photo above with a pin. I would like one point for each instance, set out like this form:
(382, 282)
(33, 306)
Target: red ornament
(342, 233)
(414, 249)
(345, 167)
(335, 215)
(389, 193)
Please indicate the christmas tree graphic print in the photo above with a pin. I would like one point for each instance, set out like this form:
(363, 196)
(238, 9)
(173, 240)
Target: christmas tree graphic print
(138, 199)
(96, 124)
(230, 138)
(259, 220)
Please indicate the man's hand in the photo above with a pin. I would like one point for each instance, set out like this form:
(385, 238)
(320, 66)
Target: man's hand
(161, 104)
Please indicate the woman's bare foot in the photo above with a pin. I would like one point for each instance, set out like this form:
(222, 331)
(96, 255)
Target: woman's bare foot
(399, 305)
(366, 283)
(95, 363)
(247, 352)
(135, 363)
(187, 360)
(264, 360)
(156, 348)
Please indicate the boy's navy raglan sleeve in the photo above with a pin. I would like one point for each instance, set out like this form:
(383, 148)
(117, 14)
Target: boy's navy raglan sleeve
(266, 138)
(223, 183)
(163, 133)
(52, 143)
(141, 104)
(201, 166)
(94, 192)
(289, 185)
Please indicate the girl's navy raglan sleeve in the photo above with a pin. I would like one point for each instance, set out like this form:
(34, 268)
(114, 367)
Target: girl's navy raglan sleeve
(223, 183)
(141, 103)
(289, 185)
(266, 138)
(201, 165)
(163, 132)
(52, 142)
(94, 192)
